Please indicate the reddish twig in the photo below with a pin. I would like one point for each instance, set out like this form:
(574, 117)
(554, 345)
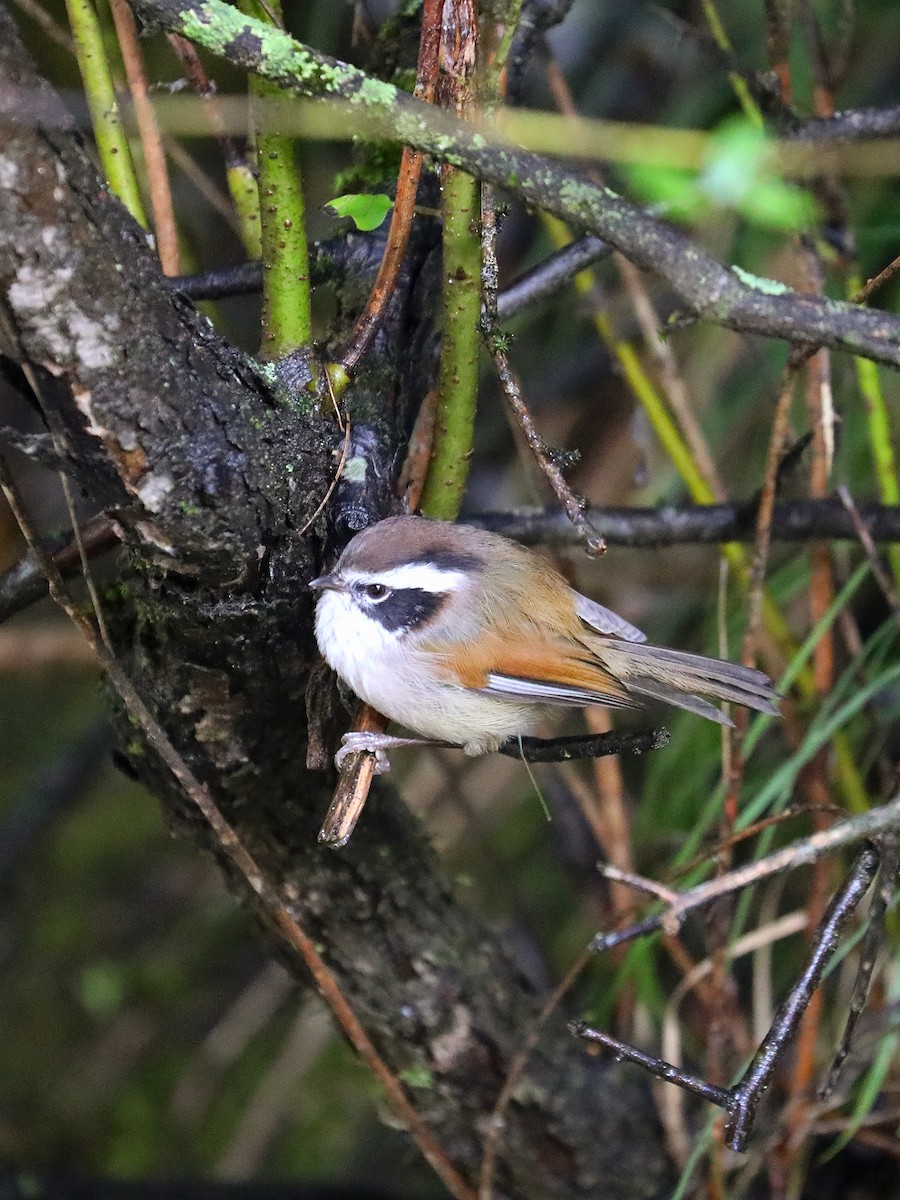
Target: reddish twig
(404, 199)
(164, 224)
(814, 778)
(199, 80)
(778, 43)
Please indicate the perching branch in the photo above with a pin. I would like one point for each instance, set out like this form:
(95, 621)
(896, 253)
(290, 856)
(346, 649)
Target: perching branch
(727, 296)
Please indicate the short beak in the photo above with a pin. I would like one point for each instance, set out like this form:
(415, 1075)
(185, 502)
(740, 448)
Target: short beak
(326, 583)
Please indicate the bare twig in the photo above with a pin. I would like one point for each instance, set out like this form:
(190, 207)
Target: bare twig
(741, 1101)
(798, 854)
(550, 276)
(26, 583)
(710, 524)
(592, 745)
(882, 577)
(638, 882)
(745, 1096)
(574, 507)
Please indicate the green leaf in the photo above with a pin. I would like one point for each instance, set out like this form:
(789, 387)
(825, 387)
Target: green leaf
(737, 175)
(365, 209)
(672, 188)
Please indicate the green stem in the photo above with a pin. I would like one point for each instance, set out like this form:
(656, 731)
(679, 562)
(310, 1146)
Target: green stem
(455, 417)
(287, 305)
(244, 192)
(883, 455)
(701, 493)
(112, 144)
(721, 294)
(720, 36)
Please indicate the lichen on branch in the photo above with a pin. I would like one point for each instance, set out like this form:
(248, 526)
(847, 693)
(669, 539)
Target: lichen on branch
(709, 288)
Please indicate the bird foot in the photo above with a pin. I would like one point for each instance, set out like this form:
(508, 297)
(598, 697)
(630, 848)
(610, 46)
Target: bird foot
(377, 744)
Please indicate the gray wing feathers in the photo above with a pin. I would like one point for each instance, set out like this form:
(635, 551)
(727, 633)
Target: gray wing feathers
(670, 695)
(539, 691)
(669, 674)
(604, 620)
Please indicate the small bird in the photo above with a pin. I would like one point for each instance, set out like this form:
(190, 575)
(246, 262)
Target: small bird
(462, 635)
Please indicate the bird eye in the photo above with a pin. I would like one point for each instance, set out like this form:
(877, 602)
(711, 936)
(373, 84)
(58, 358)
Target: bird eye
(375, 591)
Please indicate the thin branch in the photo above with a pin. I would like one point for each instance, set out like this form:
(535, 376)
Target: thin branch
(573, 505)
(868, 544)
(241, 180)
(741, 1100)
(732, 298)
(705, 524)
(745, 1096)
(590, 745)
(534, 287)
(550, 276)
(853, 124)
(868, 954)
(798, 854)
(25, 583)
(877, 282)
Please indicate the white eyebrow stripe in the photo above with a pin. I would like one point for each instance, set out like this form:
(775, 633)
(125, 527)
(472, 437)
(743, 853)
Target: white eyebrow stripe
(425, 576)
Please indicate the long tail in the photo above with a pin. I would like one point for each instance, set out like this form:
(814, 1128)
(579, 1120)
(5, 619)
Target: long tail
(682, 679)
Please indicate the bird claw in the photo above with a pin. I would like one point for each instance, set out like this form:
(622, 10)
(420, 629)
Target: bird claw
(356, 743)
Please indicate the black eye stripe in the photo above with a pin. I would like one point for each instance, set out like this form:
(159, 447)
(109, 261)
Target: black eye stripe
(405, 608)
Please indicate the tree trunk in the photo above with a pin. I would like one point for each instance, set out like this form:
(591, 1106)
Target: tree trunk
(212, 480)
